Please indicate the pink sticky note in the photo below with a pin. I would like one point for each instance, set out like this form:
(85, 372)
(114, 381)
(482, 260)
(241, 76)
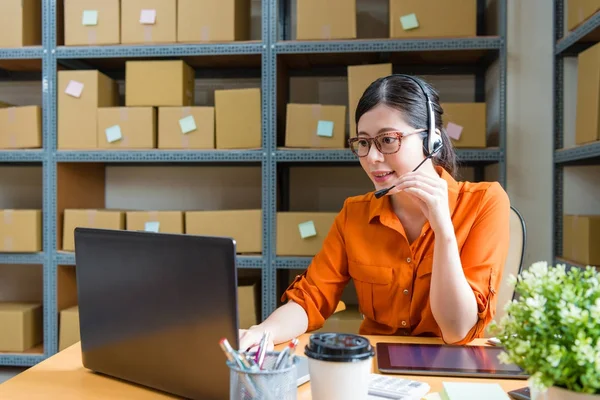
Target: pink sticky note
(454, 130)
(74, 89)
(148, 17)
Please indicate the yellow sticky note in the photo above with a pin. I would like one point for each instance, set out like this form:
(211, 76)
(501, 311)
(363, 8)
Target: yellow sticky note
(307, 229)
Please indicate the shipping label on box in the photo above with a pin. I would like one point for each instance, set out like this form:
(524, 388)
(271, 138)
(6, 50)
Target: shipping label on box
(99, 219)
(159, 83)
(325, 20)
(315, 126)
(245, 226)
(92, 22)
(21, 127)
(466, 124)
(213, 20)
(155, 221)
(238, 119)
(587, 123)
(581, 235)
(302, 233)
(186, 128)
(433, 18)
(80, 94)
(127, 128)
(20, 23)
(148, 21)
(22, 326)
(20, 231)
(69, 333)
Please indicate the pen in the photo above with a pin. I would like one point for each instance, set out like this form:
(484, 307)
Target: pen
(262, 349)
(234, 357)
(292, 347)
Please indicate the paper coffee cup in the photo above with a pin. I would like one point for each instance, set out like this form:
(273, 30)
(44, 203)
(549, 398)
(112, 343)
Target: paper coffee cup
(339, 366)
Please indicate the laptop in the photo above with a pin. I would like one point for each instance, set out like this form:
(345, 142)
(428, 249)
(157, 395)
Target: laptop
(153, 307)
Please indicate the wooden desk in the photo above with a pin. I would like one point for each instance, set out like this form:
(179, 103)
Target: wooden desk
(63, 377)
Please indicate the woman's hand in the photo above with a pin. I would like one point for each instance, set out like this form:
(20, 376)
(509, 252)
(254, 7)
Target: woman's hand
(249, 339)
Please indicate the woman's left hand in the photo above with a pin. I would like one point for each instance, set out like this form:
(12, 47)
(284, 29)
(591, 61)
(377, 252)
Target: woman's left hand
(431, 194)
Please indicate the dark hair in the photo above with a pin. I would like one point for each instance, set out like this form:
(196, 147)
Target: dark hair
(405, 95)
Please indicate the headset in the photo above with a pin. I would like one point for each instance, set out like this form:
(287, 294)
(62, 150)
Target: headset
(432, 143)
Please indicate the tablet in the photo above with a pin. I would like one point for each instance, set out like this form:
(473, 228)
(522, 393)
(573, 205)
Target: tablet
(445, 360)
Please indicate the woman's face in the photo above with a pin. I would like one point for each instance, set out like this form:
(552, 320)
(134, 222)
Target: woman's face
(385, 169)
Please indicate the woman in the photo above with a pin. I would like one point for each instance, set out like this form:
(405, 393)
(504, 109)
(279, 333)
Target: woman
(427, 257)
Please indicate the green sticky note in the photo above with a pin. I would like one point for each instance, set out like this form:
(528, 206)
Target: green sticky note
(187, 124)
(307, 229)
(409, 21)
(325, 128)
(90, 17)
(113, 133)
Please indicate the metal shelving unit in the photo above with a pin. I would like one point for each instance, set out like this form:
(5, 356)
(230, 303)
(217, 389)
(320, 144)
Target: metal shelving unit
(476, 54)
(568, 45)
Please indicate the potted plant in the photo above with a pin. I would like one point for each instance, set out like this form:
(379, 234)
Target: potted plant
(552, 330)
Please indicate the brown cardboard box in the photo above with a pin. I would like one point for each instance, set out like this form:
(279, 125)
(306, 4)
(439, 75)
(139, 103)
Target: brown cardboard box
(581, 235)
(136, 127)
(580, 10)
(22, 326)
(307, 123)
(247, 306)
(20, 23)
(472, 118)
(69, 328)
(587, 122)
(99, 219)
(289, 238)
(174, 122)
(155, 221)
(332, 19)
(160, 22)
(77, 122)
(159, 83)
(213, 20)
(238, 119)
(21, 127)
(20, 231)
(81, 30)
(245, 226)
(359, 78)
(435, 18)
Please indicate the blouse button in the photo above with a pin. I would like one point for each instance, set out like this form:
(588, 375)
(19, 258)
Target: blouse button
(403, 323)
(405, 291)
(408, 260)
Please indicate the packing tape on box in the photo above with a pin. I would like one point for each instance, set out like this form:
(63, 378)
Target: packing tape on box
(147, 33)
(91, 217)
(92, 36)
(153, 215)
(326, 32)
(7, 243)
(124, 117)
(12, 140)
(8, 217)
(185, 139)
(204, 33)
(316, 114)
(12, 114)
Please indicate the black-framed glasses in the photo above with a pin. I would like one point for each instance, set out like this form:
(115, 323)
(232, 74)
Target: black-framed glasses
(386, 143)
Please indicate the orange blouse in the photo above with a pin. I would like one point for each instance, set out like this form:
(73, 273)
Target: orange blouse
(368, 244)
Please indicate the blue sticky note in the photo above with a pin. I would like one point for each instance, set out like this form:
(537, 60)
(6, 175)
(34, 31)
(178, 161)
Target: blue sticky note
(307, 229)
(113, 133)
(409, 21)
(152, 226)
(325, 128)
(89, 18)
(187, 124)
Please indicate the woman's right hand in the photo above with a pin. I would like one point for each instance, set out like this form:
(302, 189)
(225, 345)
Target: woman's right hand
(249, 339)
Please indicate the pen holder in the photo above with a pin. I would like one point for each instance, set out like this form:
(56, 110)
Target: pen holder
(264, 384)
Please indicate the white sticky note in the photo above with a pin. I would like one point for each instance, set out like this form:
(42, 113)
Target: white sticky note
(113, 133)
(74, 89)
(409, 21)
(307, 229)
(89, 17)
(187, 124)
(325, 128)
(152, 226)
(148, 17)
(454, 130)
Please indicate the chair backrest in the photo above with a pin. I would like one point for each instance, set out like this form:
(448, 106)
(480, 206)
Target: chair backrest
(514, 260)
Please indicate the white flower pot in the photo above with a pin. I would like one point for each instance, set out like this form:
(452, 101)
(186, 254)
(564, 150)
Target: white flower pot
(556, 393)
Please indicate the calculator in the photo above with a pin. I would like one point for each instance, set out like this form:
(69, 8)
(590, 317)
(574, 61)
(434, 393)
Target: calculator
(397, 388)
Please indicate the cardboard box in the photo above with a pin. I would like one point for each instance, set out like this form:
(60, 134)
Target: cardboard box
(69, 328)
(581, 235)
(238, 119)
(213, 20)
(155, 221)
(186, 128)
(315, 126)
(80, 93)
(322, 20)
(21, 127)
(127, 128)
(99, 219)
(359, 79)
(20, 23)
(159, 83)
(579, 11)
(22, 326)
(433, 18)
(148, 21)
(92, 22)
(247, 306)
(20, 231)
(587, 122)
(245, 226)
(468, 124)
(289, 233)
